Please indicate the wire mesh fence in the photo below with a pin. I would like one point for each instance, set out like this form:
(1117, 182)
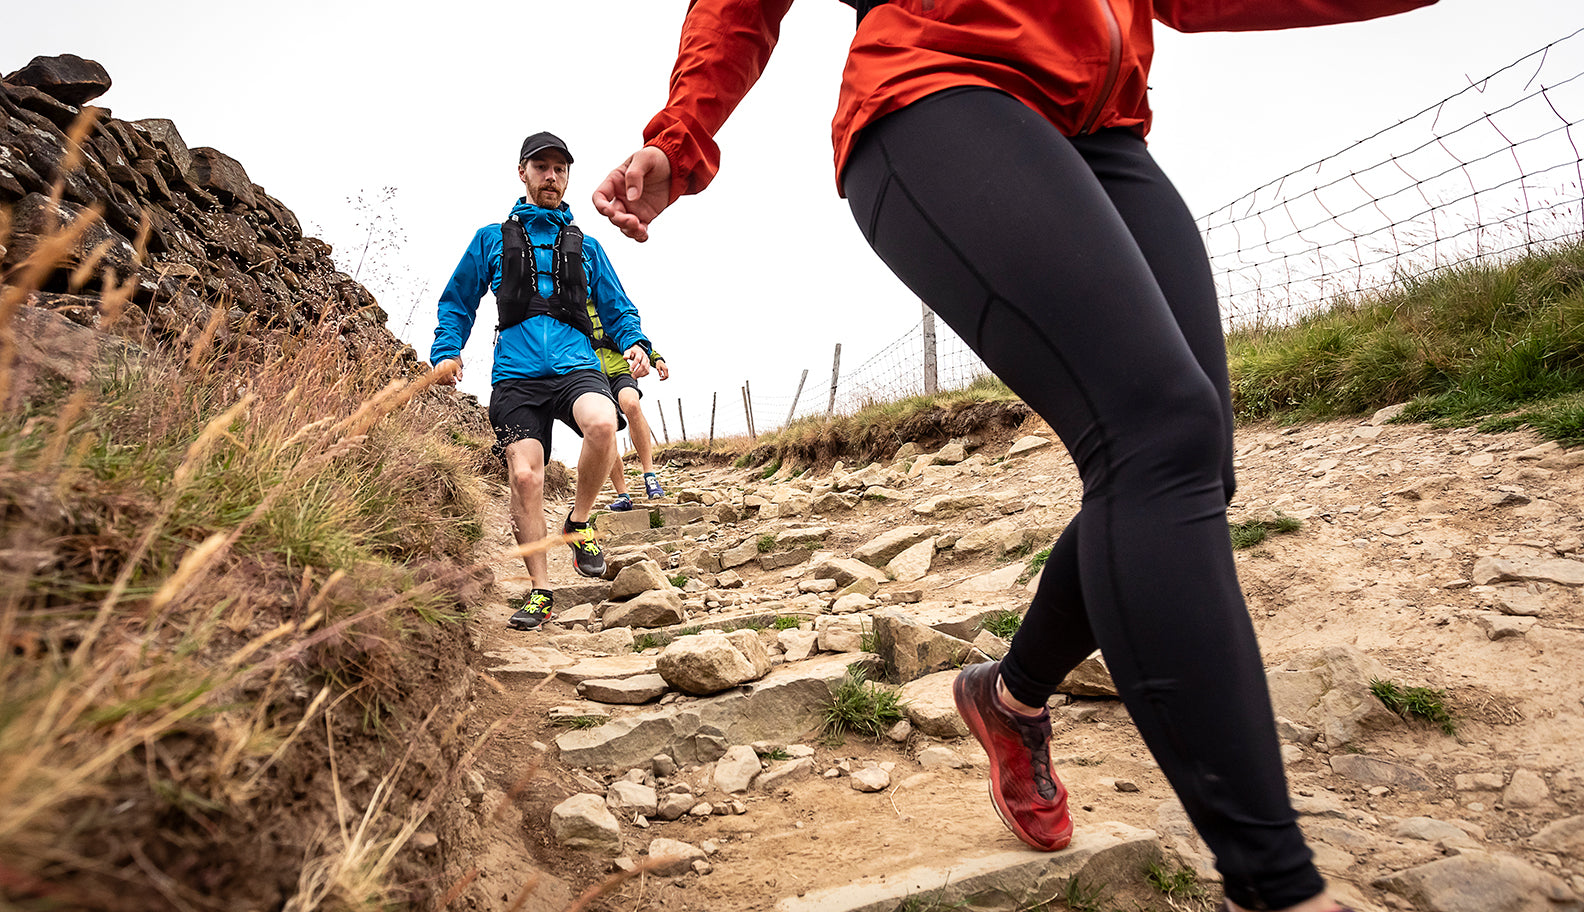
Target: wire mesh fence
(1488, 172)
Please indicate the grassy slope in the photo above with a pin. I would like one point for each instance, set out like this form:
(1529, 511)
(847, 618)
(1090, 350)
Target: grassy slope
(224, 573)
(1494, 345)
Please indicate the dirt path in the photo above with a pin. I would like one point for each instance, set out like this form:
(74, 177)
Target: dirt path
(1394, 519)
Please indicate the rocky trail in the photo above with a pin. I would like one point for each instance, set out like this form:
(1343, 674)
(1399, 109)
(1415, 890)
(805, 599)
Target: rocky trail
(668, 720)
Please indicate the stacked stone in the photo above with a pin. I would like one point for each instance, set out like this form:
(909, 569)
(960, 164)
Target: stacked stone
(214, 238)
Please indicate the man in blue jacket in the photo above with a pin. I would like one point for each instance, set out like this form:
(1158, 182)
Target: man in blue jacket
(544, 273)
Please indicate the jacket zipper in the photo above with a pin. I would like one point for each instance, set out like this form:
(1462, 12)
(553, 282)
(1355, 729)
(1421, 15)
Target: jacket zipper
(1114, 31)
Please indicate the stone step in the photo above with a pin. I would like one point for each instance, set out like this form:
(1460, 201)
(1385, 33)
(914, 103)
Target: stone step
(1106, 853)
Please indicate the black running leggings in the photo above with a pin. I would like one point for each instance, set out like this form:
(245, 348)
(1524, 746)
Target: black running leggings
(1076, 272)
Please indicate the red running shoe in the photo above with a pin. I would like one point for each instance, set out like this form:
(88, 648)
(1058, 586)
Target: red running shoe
(1030, 799)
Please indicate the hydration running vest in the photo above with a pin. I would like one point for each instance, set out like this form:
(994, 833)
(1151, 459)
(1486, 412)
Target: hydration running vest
(518, 296)
(864, 6)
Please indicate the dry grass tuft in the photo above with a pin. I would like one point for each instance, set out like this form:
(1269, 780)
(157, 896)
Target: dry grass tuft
(221, 568)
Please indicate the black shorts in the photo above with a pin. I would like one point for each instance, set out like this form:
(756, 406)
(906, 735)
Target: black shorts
(624, 381)
(525, 409)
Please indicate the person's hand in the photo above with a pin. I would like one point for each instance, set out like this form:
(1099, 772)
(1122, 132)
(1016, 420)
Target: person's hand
(448, 372)
(662, 370)
(637, 361)
(636, 192)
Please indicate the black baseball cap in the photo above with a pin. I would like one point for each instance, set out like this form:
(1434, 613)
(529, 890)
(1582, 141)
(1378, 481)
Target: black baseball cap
(540, 142)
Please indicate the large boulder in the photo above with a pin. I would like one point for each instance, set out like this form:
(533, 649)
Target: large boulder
(638, 578)
(911, 650)
(707, 663)
(1329, 690)
(655, 608)
(880, 550)
(914, 563)
(68, 78)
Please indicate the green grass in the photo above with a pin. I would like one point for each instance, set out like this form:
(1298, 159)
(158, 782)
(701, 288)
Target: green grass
(679, 580)
(771, 467)
(786, 622)
(1175, 883)
(656, 520)
(1083, 897)
(766, 543)
(645, 641)
(1491, 345)
(579, 723)
(775, 755)
(1254, 531)
(862, 707)
(1035, 565)
(1002, 623)
(1421, 703)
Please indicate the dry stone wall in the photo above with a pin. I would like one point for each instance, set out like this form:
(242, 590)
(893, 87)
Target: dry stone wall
(187, 225)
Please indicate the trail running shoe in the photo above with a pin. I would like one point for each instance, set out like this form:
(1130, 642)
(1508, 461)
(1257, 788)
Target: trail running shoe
(1026, 793)
(652, 486)
(587, 556)
(622, 503)
(534, 610)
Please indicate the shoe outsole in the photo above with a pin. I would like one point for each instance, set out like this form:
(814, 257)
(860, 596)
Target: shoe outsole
(969, 710)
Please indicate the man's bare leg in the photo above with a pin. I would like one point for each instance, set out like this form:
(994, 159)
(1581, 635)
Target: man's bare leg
(596, 417)
(525, 466)
(618, 476)
(637, 427)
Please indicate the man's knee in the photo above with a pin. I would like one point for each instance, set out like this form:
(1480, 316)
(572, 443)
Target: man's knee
(525, 472)
(599, 424)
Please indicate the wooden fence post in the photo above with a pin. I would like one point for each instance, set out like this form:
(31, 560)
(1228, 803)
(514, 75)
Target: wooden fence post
(711, 446)
(830, 408)
(661, 409)
(931, 380)
(793, 410)
(681, 420)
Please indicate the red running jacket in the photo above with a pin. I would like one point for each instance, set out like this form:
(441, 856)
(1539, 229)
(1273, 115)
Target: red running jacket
(1082, 64)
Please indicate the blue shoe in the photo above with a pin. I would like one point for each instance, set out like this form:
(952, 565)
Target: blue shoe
(652, 486)
(622, 503)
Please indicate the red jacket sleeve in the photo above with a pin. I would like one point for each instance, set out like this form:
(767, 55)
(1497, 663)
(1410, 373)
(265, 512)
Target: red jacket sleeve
(1256, 15)
(725, 46)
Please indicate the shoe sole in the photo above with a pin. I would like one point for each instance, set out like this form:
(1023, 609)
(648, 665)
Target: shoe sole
(583, 573)
(969, 711)
(522, 625)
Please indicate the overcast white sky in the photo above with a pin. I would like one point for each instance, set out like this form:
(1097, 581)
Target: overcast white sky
(328, 101)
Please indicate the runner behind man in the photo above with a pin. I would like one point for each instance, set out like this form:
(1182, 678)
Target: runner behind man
(627, 394)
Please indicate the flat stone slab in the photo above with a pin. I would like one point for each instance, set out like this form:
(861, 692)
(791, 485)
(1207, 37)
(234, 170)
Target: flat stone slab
(960, 621)
(994, 581)
(624, 691)
(624, 523)
(782, 706)
(1099, 853)
(626, 666)
(527, 661)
